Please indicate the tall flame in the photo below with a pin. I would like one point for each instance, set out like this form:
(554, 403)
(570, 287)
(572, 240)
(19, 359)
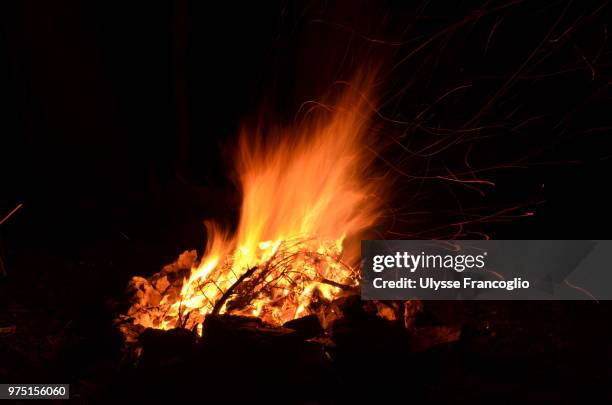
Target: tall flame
(305, 190)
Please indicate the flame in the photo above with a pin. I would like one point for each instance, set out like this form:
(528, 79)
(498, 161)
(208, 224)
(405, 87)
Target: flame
(305, 192)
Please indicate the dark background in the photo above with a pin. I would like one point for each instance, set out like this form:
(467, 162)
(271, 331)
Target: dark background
(110, 109)
(119, 118)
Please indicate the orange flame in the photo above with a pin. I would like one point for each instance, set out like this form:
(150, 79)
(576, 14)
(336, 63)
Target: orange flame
(305, 192)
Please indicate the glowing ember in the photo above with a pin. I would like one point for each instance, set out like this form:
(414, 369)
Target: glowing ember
(306, 196)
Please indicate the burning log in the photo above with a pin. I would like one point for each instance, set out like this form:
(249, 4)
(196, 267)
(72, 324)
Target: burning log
(165, 300)
(227, 294)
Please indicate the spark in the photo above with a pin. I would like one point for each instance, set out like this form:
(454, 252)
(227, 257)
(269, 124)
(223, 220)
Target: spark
(10, 214)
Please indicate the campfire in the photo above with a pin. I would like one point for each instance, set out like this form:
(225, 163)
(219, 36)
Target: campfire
(308, 194)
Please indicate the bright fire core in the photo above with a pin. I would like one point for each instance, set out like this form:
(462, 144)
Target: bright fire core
(305, 195)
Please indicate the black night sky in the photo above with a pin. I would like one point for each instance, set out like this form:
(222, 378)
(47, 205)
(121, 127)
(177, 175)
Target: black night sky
(119, 119)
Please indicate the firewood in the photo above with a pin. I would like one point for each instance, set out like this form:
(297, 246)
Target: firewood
(219, 304)
(223, 329)
(308, 326)
(162, 347)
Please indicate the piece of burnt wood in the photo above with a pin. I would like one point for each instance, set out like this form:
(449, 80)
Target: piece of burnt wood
(161, 348)
(235, 329)
(350, 306)
(343, 287)
(227, 294)
(307, 327)
(261, 358)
